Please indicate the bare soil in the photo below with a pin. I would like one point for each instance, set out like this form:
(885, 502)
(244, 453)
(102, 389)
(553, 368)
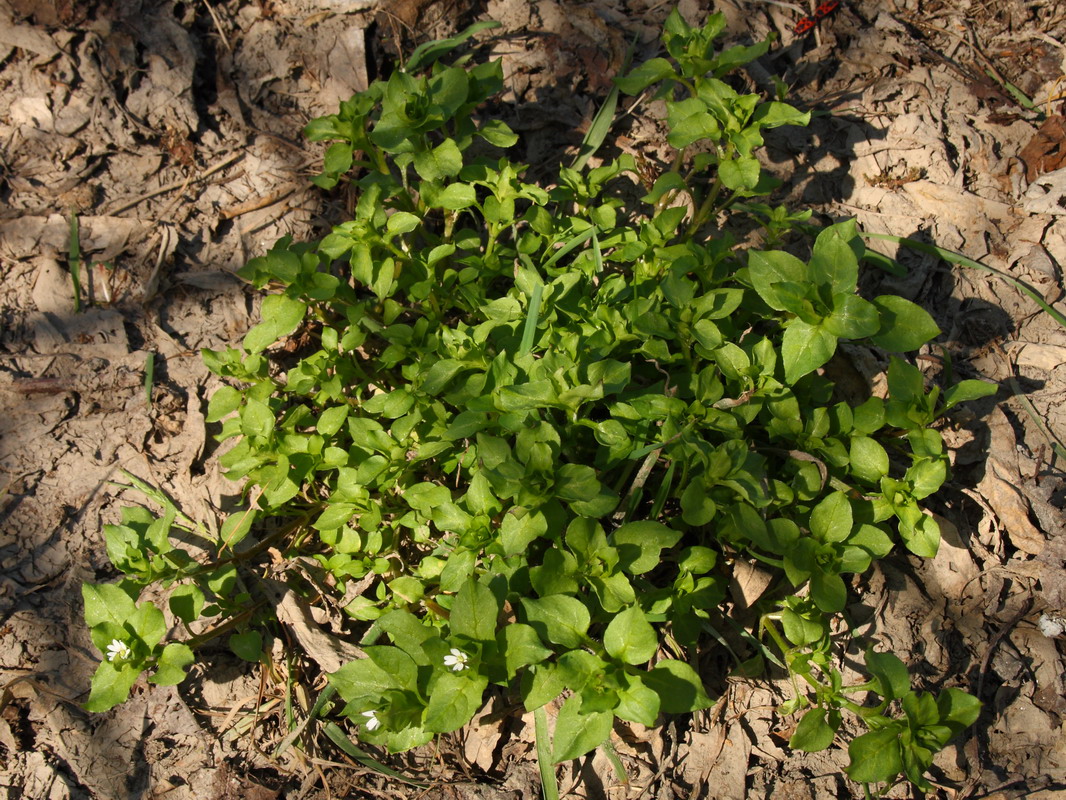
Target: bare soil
(171, 130)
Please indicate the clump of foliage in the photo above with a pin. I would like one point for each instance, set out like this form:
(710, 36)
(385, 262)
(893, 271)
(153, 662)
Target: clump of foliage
(527, 430)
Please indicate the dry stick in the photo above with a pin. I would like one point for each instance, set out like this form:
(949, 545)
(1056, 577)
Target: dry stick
(257, 203)
(182, 184)
(218, 25)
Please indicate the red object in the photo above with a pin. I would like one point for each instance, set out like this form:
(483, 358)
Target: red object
(826, 8)
(808, 24)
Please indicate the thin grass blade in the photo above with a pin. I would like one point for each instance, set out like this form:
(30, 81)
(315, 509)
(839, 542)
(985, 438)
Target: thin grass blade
(548, 785)
(598, 130)
(74, 259)
(957, 258)
(338, 738)
(532, 318)
(571, 245)
(431, 51)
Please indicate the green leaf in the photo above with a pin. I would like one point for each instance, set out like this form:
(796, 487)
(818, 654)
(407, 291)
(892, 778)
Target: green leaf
(641, 543)
(474, 612)
(775, 114)
(853, 318)
(148, 623)
(187, 602)
(832, 518)
(257, 419)
(614, 591)
(362, 681)
(644, 76)
(904, 325)
(869, 459)
(338, 158)
(813, 732)
(521, 647)
(332, 420)
(875, 756)
(740, 173)
(630, 638)
(334, 516)
(541, 684)
(958, 710)
(455, 699)
(890, 674)
(497, 132)
(905, 382)
(638, 703)
(769, 267)
(111, 685)
(106, 602)
(835, 258)
(964, 391)
(804, 348)
(247, 646)
(924, 539)
(443, 161)
(679, 688)
(577, 733)
(402, 222)
(172, 664)
(558, 618)
(689, 122)
(281, 316)
(236, 527)
(828, 591)
(520, 528)
(454, 196)
(222, 403)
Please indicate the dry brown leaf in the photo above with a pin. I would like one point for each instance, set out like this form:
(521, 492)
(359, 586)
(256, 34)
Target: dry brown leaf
(1046, 151)
(717, 762)
(1041, 356)
(329, 652)
(999, 490)
(748, 583)
(953, 570)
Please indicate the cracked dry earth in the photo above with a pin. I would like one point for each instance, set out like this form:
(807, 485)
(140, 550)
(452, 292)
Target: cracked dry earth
(171, 130)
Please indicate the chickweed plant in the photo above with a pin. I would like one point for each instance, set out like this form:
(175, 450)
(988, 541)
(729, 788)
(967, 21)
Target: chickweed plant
(517, 436)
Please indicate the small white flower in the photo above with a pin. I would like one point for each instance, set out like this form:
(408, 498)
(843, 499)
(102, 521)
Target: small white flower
(118, 651)
(456, 660)
(372, 722)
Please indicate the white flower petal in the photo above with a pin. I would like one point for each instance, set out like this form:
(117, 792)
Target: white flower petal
(456, 659)
(372, 722)
(118, 651)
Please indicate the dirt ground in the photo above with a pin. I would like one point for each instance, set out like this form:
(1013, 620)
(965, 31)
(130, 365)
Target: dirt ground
(171, 129)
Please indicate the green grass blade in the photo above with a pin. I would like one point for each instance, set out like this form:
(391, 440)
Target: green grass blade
(883, 262)
(597, 254)
(957, 258)
(598, 130)
(431, 51)
(573, 244)
(74, 259)
(616, 763)
(1021, 97)
(532, 318)
(338, 738)
(549, 786)
(1056, 446)
(323, 698)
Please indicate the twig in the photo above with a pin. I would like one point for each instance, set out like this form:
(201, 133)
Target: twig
(176, 184)
(218, 25)
(256, 203)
